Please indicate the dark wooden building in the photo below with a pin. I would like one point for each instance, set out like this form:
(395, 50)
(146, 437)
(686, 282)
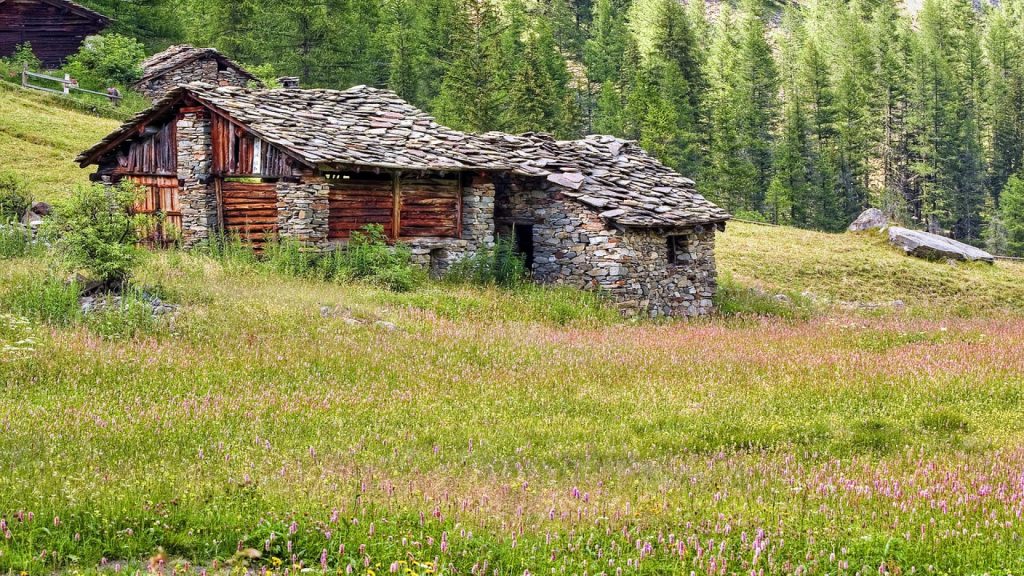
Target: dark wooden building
(54, 28)
(316, 165)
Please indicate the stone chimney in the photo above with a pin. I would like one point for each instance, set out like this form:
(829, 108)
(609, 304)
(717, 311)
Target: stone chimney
(289, 81)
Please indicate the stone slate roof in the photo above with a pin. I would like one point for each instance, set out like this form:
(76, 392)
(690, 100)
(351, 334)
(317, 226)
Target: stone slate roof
(614, 176)
(368, 127)
(163, 62)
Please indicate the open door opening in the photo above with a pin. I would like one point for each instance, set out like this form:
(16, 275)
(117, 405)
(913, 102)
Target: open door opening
(524, 243)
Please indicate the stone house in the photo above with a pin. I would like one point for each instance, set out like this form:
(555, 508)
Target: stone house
(314, 165)
(182, 64)
(54, 28)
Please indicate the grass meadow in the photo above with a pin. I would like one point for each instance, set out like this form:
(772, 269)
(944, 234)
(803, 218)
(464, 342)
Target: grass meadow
(272, 426)
(870, 422)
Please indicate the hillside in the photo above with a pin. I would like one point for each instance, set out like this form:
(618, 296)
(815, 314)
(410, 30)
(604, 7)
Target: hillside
(39, 140)
(862, 271)
(277, 423)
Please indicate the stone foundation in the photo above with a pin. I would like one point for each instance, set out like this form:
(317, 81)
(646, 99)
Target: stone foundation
(196, 195)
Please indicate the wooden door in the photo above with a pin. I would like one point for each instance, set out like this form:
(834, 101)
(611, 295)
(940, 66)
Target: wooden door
(160, 199)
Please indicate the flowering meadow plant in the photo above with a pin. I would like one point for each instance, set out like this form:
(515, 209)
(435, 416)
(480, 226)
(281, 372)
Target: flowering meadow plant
(265, 436)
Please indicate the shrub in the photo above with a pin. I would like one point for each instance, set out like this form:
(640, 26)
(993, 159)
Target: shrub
(94, 230)
(14, 198)
(499, 265)
(24, 57)
(106, 60)
(369, 258)
(228, 249)
(290, 257)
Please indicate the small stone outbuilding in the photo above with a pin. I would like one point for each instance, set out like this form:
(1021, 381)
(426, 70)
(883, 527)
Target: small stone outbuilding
(315, 165)
(182, 64)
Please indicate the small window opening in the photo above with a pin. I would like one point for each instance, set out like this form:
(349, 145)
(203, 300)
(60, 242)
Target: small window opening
(679, 249)
(221, 66)
(236, 152)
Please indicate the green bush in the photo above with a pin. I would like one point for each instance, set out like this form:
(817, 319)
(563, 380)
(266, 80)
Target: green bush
(289, 257)
(106, 60)
(369, 258)
(95, 231)
(499, 265)
(23, 56)
(14, 198)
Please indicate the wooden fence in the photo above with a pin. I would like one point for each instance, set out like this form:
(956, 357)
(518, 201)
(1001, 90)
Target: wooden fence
(68, 85)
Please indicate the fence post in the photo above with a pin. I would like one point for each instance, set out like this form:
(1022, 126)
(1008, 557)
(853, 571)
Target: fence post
(24, 73)
(66, 84)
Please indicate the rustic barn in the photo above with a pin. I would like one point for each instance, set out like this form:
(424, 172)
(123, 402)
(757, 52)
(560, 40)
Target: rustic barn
(54, 28)
(315, 165)
(182, 64)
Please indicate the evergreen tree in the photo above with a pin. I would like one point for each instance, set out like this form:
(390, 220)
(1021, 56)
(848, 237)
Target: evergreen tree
(889, 33)
(1004, 49)
(472, 93)
(1012, 214)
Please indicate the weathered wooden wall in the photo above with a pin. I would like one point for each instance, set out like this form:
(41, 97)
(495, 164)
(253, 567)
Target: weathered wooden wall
(249, 210)
(54, 30)
(160, 196)
(239, 153)
(156, 155)
(426, 207)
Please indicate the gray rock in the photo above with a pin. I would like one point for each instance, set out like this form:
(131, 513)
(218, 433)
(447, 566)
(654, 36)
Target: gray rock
(935, 247)
(385, 325)
(870, 219)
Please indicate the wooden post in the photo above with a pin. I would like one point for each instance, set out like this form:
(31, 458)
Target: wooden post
(66, 84)
(218, 192)
(396, 214)
(24, 74)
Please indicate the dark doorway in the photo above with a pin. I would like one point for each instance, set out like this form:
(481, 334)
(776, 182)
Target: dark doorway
(524, 243)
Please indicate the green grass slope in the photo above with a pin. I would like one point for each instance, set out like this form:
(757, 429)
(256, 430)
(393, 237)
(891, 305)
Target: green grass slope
(863, 269)
(39, 140)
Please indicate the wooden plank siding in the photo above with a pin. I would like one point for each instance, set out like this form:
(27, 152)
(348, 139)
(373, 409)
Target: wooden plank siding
(406, 208)
(156, 155)
(160, 196)
(249, 210)
(236, 152)
(54, 30)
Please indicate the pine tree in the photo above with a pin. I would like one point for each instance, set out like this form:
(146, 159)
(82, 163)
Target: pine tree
(405, 46)
(1012, 213)
(1004, 50)
(889, 33)
(472, 95)
(605, 50)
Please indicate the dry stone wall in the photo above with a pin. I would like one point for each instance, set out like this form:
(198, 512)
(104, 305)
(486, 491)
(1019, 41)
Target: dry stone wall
(574, 246)
(201, 70)
(196, 195)
(302, 211)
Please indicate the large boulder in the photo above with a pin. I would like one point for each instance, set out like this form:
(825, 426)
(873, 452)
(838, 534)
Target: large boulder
(870, 219)
(935, 247)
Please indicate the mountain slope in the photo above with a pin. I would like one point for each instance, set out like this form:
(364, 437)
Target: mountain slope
(39, 140)
(862, 269)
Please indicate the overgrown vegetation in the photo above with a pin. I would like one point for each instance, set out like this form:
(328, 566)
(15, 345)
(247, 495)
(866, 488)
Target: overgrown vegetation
(96, 232)
(499, 265)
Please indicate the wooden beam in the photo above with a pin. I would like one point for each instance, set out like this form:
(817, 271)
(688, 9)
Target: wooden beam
(396, 215)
